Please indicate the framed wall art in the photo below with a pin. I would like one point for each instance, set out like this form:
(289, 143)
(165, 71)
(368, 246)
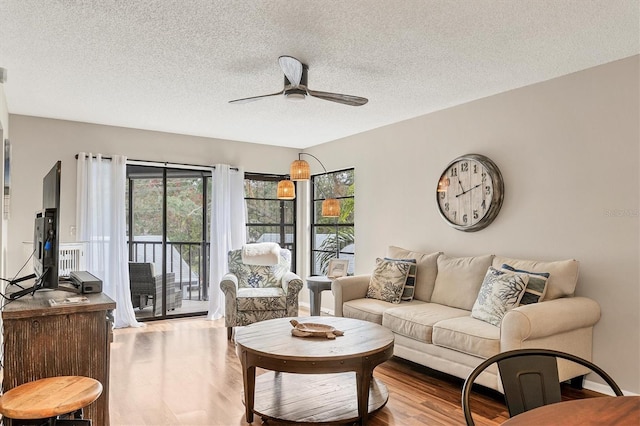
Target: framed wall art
(337, 268)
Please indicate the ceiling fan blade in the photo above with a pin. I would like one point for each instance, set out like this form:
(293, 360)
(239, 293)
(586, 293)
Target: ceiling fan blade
(340, 98)
(254, 98)
(292, 69)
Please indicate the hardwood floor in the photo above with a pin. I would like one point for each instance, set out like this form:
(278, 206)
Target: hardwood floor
(186, 372)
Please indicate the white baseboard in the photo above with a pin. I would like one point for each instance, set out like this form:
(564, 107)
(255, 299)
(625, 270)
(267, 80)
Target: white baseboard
(322, 310)
(604, 388)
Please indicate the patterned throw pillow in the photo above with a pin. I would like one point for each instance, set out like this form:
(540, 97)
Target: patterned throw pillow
(536, 288)
(410, 284)
(388, 280)
(500, 292)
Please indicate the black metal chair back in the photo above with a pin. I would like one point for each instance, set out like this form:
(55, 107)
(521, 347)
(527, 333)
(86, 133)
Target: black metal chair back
(529, 379)
(529, 382)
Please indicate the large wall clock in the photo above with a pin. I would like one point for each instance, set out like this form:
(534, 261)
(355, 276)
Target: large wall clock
(470, 192)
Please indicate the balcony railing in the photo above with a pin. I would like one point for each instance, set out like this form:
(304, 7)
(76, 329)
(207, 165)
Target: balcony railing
(184, 259)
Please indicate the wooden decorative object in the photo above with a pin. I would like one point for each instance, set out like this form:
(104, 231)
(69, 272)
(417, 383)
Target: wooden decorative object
(310, 329)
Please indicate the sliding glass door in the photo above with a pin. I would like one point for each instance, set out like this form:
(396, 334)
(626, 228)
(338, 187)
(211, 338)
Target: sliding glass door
(168, 222)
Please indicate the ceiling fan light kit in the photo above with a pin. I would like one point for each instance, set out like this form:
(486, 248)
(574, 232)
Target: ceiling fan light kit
(296, 88)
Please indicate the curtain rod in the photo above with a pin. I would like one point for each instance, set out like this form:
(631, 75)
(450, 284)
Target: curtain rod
(165, 164)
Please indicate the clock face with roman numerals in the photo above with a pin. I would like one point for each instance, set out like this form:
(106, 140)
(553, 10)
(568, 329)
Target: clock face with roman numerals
(470, 192)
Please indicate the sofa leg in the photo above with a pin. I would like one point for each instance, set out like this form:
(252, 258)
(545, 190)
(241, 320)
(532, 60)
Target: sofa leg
(577, 382)
(229, 332)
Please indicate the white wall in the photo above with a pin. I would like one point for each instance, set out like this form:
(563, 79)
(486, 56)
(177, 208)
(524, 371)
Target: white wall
(568, 150)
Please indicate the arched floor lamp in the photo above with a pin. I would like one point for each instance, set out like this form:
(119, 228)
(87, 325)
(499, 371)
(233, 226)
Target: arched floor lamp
(300, 171)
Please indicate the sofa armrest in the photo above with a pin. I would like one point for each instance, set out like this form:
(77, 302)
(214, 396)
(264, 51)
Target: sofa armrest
(544, 319)
(348, 288)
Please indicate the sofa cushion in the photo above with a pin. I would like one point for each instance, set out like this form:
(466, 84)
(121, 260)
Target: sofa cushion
(388, 279)
(370, 309)
(459, 280)
(261, 299)
(468, 335)
(426, 270)
(500, 291)
(536, 287)
(416, 321)
(563, 274)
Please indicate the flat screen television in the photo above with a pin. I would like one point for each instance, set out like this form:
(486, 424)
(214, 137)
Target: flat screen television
(45, 236)
(47, 224)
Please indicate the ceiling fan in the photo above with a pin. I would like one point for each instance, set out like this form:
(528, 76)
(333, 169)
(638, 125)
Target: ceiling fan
(296, 89)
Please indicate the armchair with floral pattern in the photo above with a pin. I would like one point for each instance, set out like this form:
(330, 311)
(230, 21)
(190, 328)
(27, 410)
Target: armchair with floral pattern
(256, 293)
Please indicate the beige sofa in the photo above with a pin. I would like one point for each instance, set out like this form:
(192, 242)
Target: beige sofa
(436, 328)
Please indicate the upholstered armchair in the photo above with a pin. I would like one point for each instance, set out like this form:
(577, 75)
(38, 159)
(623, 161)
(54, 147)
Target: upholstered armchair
(259, 292)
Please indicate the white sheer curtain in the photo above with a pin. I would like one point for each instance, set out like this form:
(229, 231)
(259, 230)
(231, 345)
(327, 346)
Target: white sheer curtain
(228, 229)
(100, 217)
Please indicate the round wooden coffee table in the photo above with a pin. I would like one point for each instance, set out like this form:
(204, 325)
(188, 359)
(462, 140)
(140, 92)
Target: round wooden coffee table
(313, 379)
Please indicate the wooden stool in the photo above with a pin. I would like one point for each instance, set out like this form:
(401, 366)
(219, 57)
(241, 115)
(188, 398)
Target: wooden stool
(49, 398)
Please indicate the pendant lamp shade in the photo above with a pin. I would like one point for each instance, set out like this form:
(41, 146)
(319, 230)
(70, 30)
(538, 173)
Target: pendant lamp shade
(331, 208)
(286, 190)
(300, 170)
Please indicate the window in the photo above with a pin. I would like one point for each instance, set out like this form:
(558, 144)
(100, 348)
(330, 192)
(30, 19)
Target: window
(332, 237)
(268, 218)
(167, 226)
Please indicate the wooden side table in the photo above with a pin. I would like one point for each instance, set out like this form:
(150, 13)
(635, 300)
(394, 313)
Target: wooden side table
(317, 284)
(50, 397)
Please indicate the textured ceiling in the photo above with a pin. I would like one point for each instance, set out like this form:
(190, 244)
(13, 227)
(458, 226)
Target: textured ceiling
(172, 65)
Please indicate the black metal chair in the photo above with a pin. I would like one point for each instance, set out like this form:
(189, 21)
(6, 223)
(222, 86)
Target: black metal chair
(529, 379)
